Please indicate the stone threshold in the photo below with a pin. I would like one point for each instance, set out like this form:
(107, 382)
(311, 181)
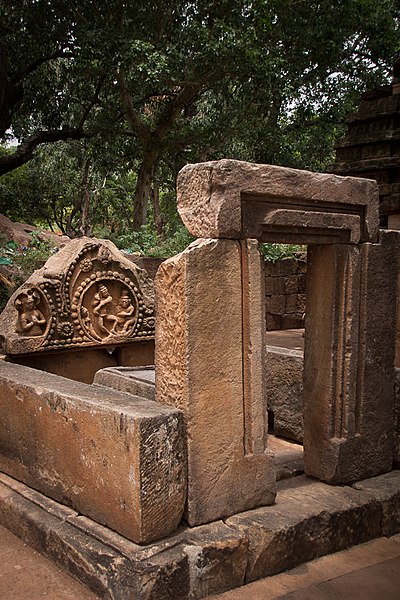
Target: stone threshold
(309, 519)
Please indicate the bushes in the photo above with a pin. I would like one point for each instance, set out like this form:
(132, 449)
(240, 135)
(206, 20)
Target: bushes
(17, 263)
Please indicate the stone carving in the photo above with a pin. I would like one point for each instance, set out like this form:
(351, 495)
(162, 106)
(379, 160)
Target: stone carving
(87, 294)
(30, 320)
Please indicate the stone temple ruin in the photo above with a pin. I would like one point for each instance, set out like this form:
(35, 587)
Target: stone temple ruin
(165, 486)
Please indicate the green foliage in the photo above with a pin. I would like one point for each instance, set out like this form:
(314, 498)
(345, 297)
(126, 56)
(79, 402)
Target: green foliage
(155, 85)
(20, 262)
(274, 252)
(146, 242)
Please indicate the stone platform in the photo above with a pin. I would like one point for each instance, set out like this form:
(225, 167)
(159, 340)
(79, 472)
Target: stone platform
(309, 519)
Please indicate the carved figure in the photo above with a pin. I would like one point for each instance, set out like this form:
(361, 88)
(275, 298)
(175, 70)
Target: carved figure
(125, 314)
(87, 324)
(31, 321)
(101, 302)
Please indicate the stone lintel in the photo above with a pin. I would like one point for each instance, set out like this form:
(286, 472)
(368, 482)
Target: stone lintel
(114, 457)
(234, 199)
(209, 363)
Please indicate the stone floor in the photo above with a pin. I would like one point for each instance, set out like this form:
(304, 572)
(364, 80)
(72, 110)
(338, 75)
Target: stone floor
(293, 339)
(365, 572)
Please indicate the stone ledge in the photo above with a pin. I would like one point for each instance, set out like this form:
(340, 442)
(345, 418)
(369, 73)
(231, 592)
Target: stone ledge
(309, 519)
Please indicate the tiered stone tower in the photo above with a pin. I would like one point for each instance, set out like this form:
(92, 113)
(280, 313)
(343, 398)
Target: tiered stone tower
(372, 147)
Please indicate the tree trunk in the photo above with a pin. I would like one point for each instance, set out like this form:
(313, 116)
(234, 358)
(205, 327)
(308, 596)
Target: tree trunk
(158, 220)
(143, 188)
(85, 225)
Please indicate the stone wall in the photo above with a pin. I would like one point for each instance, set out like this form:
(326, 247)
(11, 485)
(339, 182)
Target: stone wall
(285, 293)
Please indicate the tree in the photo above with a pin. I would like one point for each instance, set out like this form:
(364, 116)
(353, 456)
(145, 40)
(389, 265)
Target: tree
(164, 83)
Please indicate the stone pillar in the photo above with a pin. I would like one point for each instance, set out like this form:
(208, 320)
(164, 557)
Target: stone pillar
(209, 362)
(349, 360)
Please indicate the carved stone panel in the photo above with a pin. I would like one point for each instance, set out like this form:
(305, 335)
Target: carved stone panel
(88, 294)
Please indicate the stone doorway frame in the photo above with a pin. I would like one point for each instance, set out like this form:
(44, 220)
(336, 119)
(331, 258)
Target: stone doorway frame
(351, 309)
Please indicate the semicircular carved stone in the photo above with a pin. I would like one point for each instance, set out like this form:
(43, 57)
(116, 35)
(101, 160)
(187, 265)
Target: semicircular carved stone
(88, 294)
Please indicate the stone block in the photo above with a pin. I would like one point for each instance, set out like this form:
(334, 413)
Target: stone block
(291, 304)
(396, 417)
(192, 563)
(293, 321)
(274, 286)
(309, 519)
(286, 267)
(114, 457)
(386, 489)
(72, 364)
(284, 387)
(233, 199)
(301, 303)
(209, 363)
(138, 381)
(273, 322)
(276, 305)
(139, 354)
(349, 358)
(291, 284)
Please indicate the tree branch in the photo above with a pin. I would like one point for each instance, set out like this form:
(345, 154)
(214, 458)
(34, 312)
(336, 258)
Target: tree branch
(25, 151)
(95, 100)
(135, 123)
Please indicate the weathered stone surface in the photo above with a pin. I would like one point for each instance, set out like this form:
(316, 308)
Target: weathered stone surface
(114, 457)
(309, 519)
(233, 199)
(209, 363)
(73, 364)
(349, 357)
(135, 355)
(192, 563)
(134, 380)
(20, 233)
(386, 489)
(396, 415)
(284, 388)
(86, 295)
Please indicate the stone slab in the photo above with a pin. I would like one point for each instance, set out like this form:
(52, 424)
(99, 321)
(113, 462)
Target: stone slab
(397, 416)
(234, 199)
(353, 560)
(386, 489)
(309, 519)
(117, 458)
(284, 389)
(133, 380)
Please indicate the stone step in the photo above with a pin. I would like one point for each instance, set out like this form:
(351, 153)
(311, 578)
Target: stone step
(309, 519)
